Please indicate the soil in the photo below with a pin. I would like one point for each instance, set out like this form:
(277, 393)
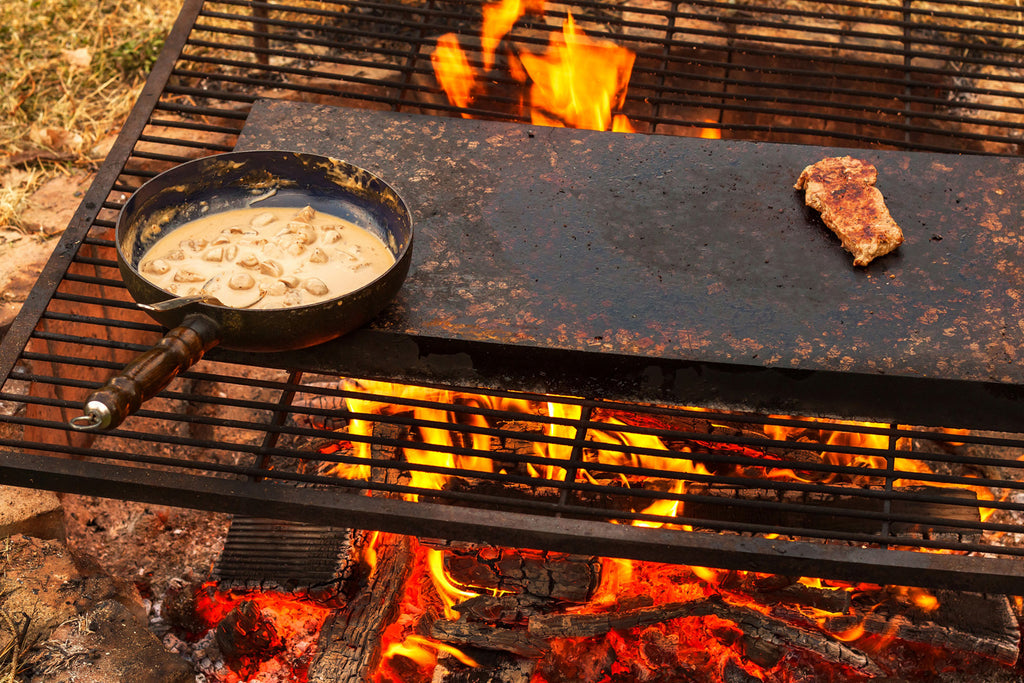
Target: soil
(23, 254)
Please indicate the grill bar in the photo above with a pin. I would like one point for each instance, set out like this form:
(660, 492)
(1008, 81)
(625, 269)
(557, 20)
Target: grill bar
(258, 436)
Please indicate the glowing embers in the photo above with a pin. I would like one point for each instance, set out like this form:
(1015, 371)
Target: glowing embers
(504, 614)
(420, 610)
(259, 635)
(575, 81)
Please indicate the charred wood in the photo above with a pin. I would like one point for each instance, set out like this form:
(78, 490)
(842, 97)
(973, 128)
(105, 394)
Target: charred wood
(777, 589)
(559, 576)
(246, 637)
(505, 669)
(687, 433)
(753, 624)
(506, 610)
(983, 625)
(516, 641)
(349, 642)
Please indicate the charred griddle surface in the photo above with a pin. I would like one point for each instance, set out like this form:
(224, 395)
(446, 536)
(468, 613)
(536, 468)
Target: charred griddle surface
(666, 268)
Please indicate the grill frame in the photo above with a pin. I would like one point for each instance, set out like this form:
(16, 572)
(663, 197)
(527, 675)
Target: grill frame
(141, 150)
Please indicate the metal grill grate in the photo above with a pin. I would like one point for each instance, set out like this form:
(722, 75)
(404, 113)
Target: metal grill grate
(256, 437)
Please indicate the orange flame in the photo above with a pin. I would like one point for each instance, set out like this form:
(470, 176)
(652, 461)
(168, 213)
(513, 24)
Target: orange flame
(452, 70)
(579, 82)
(498, 20)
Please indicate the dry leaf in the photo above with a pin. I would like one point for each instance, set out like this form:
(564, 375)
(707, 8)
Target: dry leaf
(56, 139)
(77, 59)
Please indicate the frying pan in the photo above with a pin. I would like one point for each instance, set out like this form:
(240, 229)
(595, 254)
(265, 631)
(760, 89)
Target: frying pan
(237, 180)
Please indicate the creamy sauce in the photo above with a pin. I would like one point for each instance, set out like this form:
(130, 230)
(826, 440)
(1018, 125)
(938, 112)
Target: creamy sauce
(266, 258)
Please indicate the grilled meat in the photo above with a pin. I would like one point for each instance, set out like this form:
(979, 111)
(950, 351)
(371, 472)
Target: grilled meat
(843, 190)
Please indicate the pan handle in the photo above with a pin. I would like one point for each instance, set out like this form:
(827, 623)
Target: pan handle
(147, 375)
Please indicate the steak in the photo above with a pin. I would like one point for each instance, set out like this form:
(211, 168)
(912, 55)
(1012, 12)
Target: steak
(843, 190)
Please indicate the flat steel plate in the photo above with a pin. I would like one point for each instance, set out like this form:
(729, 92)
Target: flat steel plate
(677, 269)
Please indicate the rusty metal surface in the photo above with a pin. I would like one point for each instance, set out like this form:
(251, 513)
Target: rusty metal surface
(674, 255)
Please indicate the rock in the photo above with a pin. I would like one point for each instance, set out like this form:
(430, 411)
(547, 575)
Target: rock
(43, 585)
(30, 512)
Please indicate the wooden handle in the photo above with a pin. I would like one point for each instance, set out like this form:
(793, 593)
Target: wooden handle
(147, 375)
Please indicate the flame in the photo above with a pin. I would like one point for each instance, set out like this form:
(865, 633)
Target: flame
(452, 70)
(498, 20)
(447, 590)
(710, 134)
(578, 82)
(921, 598)
(599, 445)
(424, 651)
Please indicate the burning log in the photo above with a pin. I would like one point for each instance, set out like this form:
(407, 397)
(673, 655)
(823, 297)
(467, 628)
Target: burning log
(349, 643)
(734, 435)
(756, 627)
(506, 610)
(489, 637)
(981, 625)
(505, 669)
(776, 589)
(542, 574)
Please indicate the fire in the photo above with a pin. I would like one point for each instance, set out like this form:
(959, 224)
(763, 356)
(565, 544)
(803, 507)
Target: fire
(451, 66)
(453, 433)
(273, 632)
(578, 82)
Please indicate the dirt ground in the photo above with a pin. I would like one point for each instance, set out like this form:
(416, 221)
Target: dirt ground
(23, 254)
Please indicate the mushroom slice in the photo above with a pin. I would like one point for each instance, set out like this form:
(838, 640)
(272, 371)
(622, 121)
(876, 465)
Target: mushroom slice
(331, 234)
(315, 286)
(156, 266)
(249, 261)
(262, 219)
(242, 281)
(271, 267)
(214, 255)
(188, 275)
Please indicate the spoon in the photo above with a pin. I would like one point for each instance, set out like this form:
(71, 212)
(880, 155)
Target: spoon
(202, 296)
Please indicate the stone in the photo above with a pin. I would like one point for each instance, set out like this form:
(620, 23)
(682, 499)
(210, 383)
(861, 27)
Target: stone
(31, 512)
(44, 585)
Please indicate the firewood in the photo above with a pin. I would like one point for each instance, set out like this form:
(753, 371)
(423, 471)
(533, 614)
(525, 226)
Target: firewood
(488, 637)
(505, 610)
(736, 438)
(349, 645)
(753, 624)
(982, 625)
(246, 636)
(776, 589)
(560, 576)
(505, 668)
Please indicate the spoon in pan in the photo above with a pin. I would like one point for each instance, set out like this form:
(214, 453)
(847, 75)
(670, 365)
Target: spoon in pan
(202, 296)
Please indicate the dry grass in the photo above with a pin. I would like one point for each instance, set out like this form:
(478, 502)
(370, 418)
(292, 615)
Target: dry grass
(72, 70)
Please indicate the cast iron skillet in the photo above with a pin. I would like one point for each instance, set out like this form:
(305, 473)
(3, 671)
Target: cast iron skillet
(230, 181)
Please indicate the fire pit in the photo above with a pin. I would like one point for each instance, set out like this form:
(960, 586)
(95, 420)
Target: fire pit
(632, 345)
